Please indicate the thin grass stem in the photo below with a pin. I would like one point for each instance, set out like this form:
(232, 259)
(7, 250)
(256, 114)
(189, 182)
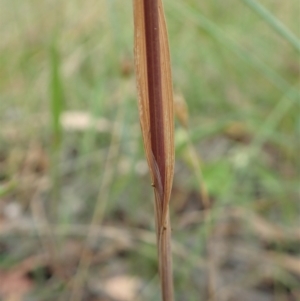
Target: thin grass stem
(276, 24)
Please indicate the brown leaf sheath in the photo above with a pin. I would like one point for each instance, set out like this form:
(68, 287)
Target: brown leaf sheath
(155, 98)
(168, 109)
(155, 86)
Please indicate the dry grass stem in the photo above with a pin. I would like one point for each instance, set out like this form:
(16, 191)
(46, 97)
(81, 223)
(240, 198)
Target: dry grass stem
(86, 259)
(45, 233)
(155, 96)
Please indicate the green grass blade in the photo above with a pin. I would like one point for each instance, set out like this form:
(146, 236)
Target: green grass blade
(7, 188)
(217, 34)
(269, 125)
(56, 110)
(274, 23)
(56, 96)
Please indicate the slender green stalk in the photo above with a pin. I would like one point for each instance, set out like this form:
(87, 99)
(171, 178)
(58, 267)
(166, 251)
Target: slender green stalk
(56, 97)
(56, 110)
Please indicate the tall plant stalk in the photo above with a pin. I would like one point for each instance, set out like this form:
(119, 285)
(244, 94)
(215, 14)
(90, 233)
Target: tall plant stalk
(155, 98)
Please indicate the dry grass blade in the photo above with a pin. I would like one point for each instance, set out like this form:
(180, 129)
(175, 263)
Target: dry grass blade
(155, 95)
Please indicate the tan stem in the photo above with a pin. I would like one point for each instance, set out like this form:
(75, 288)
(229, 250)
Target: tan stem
(165, 261)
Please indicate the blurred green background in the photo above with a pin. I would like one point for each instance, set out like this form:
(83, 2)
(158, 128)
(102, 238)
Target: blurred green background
(76, 205)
